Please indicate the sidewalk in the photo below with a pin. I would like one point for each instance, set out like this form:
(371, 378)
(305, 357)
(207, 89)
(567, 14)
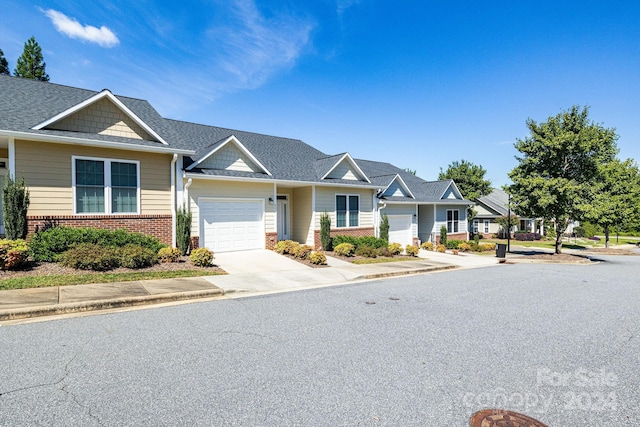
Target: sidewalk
(265, 271)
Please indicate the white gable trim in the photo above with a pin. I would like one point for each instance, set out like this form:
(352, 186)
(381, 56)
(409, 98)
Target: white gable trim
(353, 164)
(402, 184)
(237, 143)
(455, 191)
(97, 97)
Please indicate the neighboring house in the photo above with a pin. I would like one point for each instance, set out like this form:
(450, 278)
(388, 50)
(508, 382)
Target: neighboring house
(493, 206)
(97, 159)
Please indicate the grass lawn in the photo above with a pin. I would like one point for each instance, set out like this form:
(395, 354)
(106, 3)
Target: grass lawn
(25, 282)
(380, 260)
(567, 244)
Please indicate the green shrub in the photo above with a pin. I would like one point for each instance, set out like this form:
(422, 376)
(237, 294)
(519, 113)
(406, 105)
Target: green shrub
(345, 249)
(453, 244)
(341, 238)
(318, 258)
(325, 231)
(411, 250)
(367, 251)
(395, 248)
(15, 202)
(169, 254)
(385, 252)
(201, 257)
(302, 251)
(384, 228)
(359, 241)
(485, 247)
(134, 256)
(427, 246)
(90, 256)
(464, 247)
(285, 247)
(47, 245)
(443, 235)
(13, 254)
(441, 248)
(183, 230)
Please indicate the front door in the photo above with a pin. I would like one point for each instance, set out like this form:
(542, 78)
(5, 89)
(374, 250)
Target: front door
(283, 218)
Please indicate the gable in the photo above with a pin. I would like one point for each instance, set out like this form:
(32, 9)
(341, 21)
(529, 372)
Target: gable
(103, 118)
(347, 169)
(397, 189)
(230, 157)
(451, 193)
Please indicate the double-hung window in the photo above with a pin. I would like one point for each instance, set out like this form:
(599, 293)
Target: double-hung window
(347, 210)
(105, 186)
(476, 223)
(453, 218)
(486, 226)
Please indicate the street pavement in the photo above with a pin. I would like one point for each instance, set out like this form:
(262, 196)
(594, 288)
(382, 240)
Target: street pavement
(556, 342)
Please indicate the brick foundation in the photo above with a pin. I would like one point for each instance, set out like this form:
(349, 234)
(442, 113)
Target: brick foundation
(416, 241)
(270, 240)
(454, 236)
(355, 232)
(158, 226)
(195, 242)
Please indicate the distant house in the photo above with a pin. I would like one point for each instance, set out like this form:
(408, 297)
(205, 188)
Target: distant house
(493, 206)
(104, 160)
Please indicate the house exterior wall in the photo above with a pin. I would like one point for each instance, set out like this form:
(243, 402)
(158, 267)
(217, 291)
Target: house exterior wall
(102, 117)
(231, 190)
(302, 215)
(441, 219)
(47, 171)
(4, 153)
(326, 202)
(343, 171)
(404, 209)
(230, 158)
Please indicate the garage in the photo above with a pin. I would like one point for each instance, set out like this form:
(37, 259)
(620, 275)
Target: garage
(232, 224)
(400, 229)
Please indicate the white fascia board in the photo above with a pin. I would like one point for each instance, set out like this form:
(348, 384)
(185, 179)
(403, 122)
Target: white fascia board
(90, 142)
(402, 183)
(240, 146)
(270, 180)
(455, 187)
(353, 163)
(97, 97)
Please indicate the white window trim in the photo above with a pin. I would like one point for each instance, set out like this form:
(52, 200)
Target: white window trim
(453, 220)
(107, 185)
(476, 226)
(486, 226)
(335, 200)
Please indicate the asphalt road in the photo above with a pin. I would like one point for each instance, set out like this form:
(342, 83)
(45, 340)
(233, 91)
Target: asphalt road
(559, 343)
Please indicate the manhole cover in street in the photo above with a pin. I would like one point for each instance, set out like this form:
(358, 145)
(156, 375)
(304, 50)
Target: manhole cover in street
(500, 418)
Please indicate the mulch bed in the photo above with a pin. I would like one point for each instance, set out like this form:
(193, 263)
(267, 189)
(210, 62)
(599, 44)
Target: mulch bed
(351, 259)
(605, 251)
(52, 268)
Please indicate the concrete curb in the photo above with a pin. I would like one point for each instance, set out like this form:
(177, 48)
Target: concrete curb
(80, 307)
(409, 272)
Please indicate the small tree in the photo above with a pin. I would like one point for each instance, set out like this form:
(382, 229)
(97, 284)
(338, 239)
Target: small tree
(15, 202)
(325, 231)
(506, 223)
(443, 235)
(31, 63)
(384, 227)
(183, 230)
(4, 65)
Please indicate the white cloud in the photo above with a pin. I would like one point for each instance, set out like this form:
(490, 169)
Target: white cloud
(342, 5)
(252, 48)
(102, 36)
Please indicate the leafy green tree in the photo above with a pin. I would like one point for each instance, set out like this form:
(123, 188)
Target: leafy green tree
(559, 166)
(31, 63)
(411, 171)
(384, 227)
(615, 199)
(469, 179)
(15, 202)
(504, 221)
(4, 65)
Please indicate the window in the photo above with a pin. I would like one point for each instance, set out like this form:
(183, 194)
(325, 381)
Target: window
(476, 224)
(453, 216)
(347, 210)
(103, 186)
(486, 226)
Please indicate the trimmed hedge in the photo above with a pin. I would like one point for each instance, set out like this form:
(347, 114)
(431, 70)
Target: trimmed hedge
(374, 242)
(91, 256)
(49, 244)
(527, 237)
(453, 244)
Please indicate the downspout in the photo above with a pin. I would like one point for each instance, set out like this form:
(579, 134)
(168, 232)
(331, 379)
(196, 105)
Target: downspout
(381, 205)
(173, 200)
(186, 195)
(12, 157)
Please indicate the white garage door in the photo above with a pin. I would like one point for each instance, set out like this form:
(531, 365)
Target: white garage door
(232, 225)
(400, 229)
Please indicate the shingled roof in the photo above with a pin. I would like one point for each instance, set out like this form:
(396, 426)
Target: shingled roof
(497, 200)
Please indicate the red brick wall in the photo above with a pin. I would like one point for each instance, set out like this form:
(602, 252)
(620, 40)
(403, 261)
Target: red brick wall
(355, 232)
(454, 236)
(195, 242)
(154, 225)
(270, 240)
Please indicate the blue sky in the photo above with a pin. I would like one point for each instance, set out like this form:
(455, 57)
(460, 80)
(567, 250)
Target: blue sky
(418, 84)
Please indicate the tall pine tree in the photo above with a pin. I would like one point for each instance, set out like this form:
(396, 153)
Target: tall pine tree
(4, 65)
(31, 64)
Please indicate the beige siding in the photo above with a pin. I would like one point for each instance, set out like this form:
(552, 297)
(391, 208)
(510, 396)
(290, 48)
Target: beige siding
(326, 201)
(231, 189)
(302, 217)
(4, 153)
(102, 117)
(343, 171)
(46, 169)
(425, 222)
(230, 157)
(482, 211)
